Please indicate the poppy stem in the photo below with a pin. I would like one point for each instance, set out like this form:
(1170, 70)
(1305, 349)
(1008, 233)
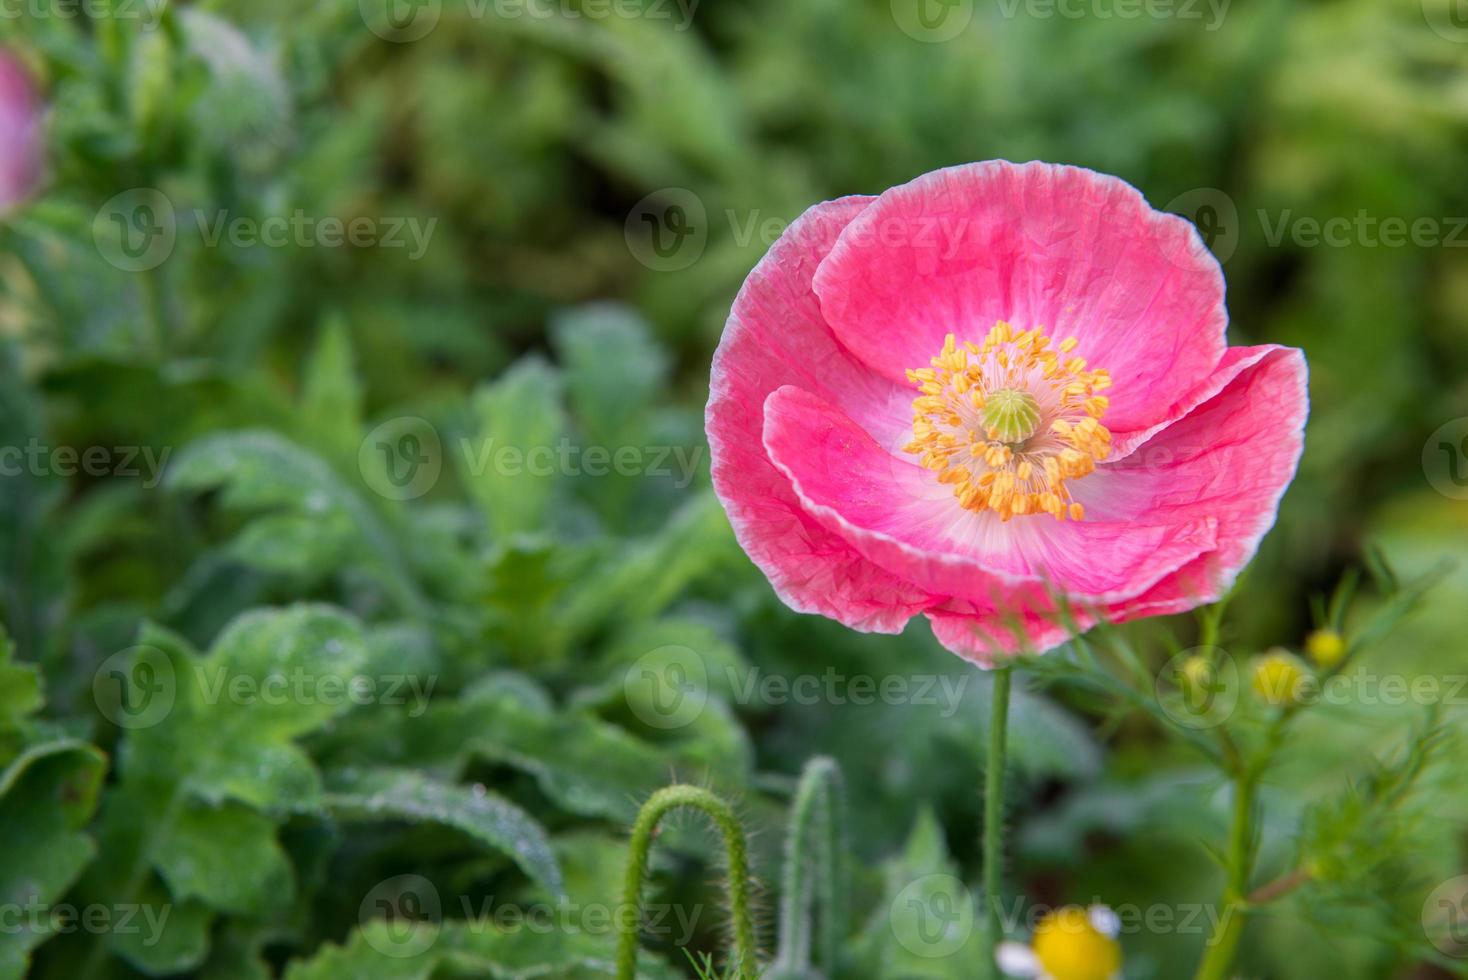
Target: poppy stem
(644, 829)
(1224, 943)
(994, 813)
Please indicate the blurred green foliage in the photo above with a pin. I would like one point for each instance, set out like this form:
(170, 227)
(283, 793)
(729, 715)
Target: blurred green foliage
(269, 525)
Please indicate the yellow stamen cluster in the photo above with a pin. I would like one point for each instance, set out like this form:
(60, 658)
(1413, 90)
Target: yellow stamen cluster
(1008, 421)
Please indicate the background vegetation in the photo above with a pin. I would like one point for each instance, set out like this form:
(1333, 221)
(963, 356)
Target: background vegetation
(539, 310)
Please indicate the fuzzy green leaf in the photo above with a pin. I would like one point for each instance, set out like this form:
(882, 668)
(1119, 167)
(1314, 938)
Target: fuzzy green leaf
(487, 817)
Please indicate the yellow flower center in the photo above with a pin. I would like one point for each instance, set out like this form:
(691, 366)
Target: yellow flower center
(1070, 947)
(1007, 422)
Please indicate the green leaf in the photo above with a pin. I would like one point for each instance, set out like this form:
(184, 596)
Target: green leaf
(331, 396)
(20, 693)
(29, 567)
(1047, 740)
(166, 936)
(271, 676)
(586, 765)
(302, 658)
(295, 544)
(927, 923)
(511, 465)
(47, 796)
(382, 950)
(487, 817)
(236, 956)
(651, 573)
(259, 470)
(613, 370)
(226, 856)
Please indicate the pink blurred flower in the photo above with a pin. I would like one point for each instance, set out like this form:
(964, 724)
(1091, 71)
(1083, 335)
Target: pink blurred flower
(20, 133)
(991, 392)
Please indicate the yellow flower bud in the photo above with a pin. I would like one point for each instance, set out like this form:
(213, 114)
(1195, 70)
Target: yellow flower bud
(1070, 947)
(1279, 678)
(1326, 647)
(1196, 674)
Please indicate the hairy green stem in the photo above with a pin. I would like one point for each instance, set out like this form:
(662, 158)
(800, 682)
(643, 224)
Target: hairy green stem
(643, 829)
(814, 885)
(994, 815)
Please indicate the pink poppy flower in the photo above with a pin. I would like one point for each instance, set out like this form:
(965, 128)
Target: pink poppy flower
(20, 133)
(998, 396)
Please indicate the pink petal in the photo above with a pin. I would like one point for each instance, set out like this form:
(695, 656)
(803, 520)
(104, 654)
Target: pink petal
(776, 336)
(1062, 248)
(897, 515)
(1229, 461)
(1231, 458)
(987, 637)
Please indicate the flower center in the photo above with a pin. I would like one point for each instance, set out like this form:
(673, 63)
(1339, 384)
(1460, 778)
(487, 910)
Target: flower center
(1007, 422)
(1012, 414)
(1070, 947)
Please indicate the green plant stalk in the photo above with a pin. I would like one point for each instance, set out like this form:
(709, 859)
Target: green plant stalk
(659, 805)
(814, 882)
(1223, 944)
(994, 815)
